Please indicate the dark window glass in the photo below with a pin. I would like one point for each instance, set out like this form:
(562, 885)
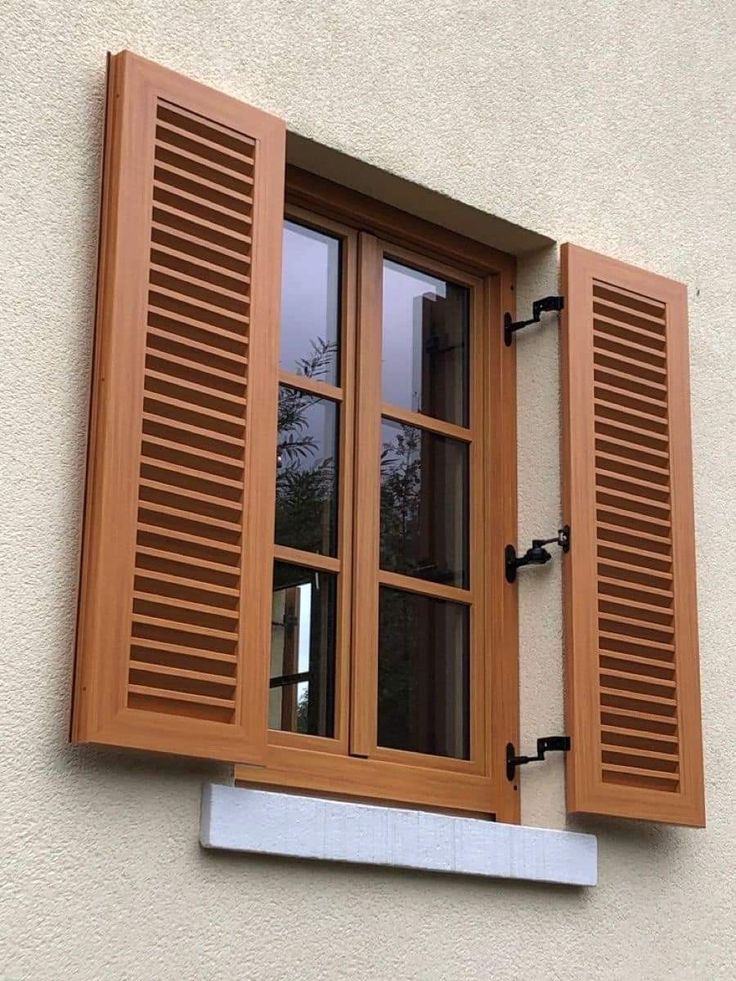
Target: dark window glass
(423, 675)
(425, 343)
(424, 504)
(306, 472)
(310, 303)
(302, 691)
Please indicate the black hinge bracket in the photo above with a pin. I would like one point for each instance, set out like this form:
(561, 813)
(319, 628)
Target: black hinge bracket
(537, 554)
(545, 305)
(545, 744)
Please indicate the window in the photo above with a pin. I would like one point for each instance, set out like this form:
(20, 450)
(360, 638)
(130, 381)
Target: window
(383, 631)
(295, 527)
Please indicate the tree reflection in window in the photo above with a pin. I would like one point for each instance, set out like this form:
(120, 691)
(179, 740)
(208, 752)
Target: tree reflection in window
(424, 479)
(306, 471)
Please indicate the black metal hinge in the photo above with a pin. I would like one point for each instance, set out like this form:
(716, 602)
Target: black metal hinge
(537, 554)
(545, 305)
(545, 744)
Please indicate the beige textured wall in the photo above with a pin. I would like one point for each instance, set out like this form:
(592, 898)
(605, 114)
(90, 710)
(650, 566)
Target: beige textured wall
(606, 123)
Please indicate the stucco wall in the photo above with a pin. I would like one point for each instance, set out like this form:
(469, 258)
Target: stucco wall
(605, 123)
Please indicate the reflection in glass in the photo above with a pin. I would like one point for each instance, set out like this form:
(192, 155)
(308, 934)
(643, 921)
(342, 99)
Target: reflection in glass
(424, 504)
(310, 303)
(423, 675)
(425, 343)
(302, 688)
(306, 472)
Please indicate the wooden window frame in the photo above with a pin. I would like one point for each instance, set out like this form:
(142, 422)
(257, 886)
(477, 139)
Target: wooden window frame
(317, 764)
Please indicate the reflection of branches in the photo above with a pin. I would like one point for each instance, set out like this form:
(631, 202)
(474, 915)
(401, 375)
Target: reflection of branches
(413, 639)
(306, 489)
(295, 441)
(401, 476)
(319, 361)
(302, 712)
(304, 484)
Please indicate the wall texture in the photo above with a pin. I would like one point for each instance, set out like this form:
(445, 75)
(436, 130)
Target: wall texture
(606, 123)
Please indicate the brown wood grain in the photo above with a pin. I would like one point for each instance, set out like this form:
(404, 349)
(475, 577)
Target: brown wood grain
(183, 422)
(632, 666)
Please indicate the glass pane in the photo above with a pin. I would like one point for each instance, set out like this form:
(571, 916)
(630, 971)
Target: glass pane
(306, 472)
(423, 675)
(424, 504)
(310, 303)
(302, 691)
(425, 343)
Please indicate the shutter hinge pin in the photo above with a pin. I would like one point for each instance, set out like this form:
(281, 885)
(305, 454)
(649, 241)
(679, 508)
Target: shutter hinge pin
(545, 744)
(545, 305)
(537, 554)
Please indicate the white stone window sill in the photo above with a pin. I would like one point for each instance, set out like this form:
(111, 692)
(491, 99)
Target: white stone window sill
(270, 823)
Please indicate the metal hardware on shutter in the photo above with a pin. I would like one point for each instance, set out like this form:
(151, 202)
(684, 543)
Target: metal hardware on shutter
(545, 305)
(537, 554)
(545, 744)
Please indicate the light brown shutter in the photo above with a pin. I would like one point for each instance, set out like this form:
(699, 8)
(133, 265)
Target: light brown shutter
(174, 620)
(633, 699)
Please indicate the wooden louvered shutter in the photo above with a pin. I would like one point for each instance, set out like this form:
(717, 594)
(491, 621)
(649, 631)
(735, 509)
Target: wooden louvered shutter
(633, 701)
(174, 621)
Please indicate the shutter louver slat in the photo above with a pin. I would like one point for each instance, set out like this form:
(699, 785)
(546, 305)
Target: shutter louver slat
(173, 616)
(632, 663)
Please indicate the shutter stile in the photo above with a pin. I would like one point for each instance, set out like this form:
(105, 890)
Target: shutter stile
(632, 662)
(173, 617)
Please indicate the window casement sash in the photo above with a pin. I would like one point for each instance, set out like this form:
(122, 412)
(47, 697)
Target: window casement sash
(370, 577)
(341, 565)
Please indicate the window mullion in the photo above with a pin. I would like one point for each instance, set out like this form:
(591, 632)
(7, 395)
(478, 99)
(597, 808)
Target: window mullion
(364, 688)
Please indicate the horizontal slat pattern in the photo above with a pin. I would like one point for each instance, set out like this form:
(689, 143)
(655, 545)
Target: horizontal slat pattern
(635, 592)
(186, 602)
